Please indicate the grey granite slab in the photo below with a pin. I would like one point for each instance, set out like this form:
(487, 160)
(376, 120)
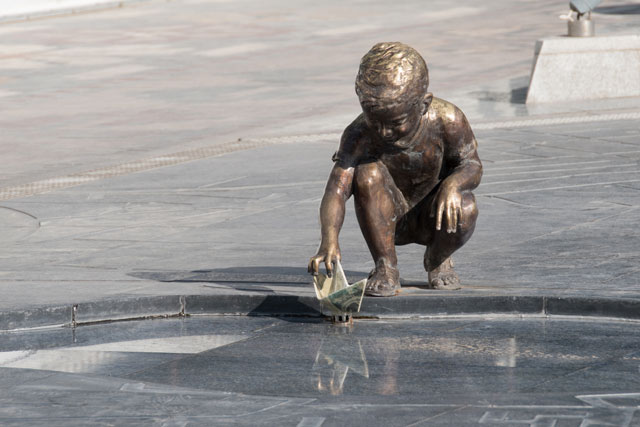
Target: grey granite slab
(232, 232)
(291, 371)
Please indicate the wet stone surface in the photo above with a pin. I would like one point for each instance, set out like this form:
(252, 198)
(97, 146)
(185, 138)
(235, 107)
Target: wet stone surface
(302, 372)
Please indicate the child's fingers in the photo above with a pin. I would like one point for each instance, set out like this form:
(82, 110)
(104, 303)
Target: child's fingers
(328, 262)
(452, 219)
(313, 266)
(439, 216)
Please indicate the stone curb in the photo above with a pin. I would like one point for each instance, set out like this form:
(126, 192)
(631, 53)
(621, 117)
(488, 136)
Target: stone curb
(399, 307)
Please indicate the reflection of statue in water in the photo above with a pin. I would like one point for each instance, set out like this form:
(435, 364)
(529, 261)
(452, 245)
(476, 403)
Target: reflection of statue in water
(337, 357)
(410, 161)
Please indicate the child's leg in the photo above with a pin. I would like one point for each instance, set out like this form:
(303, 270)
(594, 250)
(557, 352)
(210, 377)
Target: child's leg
(442, 245)
(379, 204)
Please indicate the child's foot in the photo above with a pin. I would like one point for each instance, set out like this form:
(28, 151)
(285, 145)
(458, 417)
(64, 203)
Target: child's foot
(383, 281)
(444, 277)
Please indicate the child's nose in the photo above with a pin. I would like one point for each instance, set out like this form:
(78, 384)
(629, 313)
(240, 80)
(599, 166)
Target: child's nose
(386, 132)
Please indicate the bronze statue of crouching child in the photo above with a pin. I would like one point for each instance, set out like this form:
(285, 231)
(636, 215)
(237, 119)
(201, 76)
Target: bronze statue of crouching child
(410, 160)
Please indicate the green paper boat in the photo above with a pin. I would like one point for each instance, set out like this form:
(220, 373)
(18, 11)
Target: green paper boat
(337, 294)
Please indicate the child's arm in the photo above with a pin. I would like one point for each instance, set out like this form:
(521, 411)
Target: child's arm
(332, 210)
(464, 171)
(336, 194)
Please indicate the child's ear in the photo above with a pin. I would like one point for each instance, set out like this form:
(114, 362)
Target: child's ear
(426, 101)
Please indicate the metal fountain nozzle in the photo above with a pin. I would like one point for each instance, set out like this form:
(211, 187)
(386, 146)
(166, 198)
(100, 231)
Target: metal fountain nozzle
(581, 25)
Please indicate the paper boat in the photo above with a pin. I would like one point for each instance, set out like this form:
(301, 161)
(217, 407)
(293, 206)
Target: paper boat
(335, 292)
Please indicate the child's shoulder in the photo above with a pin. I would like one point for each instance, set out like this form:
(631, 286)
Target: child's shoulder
(353, 143)
(449, 119)
(446, 111)
(355, 134)
(356, 128)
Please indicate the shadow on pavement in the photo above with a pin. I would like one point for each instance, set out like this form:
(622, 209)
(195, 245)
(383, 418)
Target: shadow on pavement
(250, 279)
(288, 308)
(514, 96)
(256, 275)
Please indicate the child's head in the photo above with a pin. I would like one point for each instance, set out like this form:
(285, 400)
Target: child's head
(392, 88)
(392, 73)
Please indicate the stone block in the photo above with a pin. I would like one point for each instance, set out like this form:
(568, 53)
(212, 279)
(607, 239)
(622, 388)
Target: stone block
(580, 68)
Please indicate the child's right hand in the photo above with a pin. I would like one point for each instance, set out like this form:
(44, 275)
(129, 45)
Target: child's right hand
(329, 255)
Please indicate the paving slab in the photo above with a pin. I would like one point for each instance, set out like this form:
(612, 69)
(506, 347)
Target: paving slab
(158, 77)
(163, 160)
(233, 233)
(301, 372)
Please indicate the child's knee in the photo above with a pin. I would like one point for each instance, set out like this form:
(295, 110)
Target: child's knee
(469, 212)
(368, 177)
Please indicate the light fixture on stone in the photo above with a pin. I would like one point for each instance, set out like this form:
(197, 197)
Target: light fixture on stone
(581, 25)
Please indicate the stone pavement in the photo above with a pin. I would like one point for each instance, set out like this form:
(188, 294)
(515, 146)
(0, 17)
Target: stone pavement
(93, 90)
(169, 158)
(249, 371)
(559, 208)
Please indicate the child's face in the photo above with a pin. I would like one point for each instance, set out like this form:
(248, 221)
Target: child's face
(394, 124)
